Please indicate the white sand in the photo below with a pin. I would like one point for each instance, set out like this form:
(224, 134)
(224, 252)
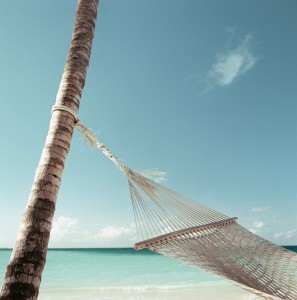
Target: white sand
(204, 293)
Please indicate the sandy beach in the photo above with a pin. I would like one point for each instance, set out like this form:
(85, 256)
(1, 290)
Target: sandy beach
(221, 292)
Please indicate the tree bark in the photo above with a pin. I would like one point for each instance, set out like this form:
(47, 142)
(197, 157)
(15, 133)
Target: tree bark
(23, 274)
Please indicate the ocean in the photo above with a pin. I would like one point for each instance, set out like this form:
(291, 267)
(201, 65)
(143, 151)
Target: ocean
(125, 274)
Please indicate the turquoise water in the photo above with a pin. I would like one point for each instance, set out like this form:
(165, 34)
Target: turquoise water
(112, 268)
(116, 267)
(125, 274)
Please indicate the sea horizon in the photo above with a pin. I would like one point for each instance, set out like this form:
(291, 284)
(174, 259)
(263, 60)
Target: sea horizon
(82, 248)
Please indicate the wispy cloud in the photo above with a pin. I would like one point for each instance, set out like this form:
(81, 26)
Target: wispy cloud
(260, 209)
(71, 231)
(287, 234)
(111, 233)
(256, 226)
(232, 63)
(253, 230)
(64, 227)
(155, 175)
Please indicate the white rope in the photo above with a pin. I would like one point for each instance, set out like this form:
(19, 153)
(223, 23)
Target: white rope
(91, 137)
(65, 108)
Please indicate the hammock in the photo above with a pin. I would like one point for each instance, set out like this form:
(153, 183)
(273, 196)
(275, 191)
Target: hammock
(185, 230)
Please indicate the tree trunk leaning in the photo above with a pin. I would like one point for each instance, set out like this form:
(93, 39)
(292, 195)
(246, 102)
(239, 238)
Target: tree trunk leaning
(23, 275)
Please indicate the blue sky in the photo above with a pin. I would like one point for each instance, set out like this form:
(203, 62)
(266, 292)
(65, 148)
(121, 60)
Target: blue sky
(202, 90)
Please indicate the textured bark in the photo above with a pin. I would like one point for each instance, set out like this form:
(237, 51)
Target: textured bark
(23, 274)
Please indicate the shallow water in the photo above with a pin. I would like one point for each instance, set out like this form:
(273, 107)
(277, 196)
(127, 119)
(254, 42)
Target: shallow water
(125, 274)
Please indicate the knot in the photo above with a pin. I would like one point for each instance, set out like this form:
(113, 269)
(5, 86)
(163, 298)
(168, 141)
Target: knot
(66, 108)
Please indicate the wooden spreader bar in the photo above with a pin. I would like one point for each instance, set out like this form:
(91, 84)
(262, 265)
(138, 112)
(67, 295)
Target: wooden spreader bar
(173, 235)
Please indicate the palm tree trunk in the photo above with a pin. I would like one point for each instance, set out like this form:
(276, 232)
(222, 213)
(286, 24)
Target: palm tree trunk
(23, 274)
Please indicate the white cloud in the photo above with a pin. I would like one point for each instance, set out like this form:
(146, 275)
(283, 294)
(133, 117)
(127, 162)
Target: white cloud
(258, 224)
(231, 64)
(69, 231)
(112, 233)
(160, 179)
(155, 175)
(64, 227)
(287, 234)
(260, 209)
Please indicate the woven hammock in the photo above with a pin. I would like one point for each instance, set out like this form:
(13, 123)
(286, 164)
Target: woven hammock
(185, 230)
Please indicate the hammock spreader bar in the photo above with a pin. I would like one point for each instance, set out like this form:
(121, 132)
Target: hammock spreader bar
(182, 233)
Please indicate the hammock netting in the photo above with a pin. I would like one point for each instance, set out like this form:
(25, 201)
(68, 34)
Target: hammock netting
(185, 230)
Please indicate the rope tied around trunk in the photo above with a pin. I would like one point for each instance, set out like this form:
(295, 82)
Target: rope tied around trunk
(66, 108)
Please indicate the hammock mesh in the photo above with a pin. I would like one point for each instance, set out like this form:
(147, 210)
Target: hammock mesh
(185, 230)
